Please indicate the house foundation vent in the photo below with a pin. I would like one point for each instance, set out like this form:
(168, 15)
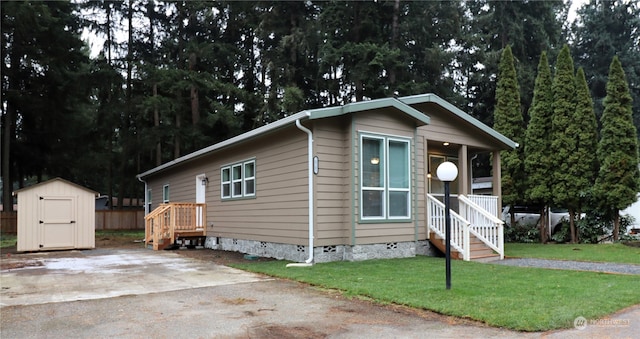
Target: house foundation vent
(329, 249)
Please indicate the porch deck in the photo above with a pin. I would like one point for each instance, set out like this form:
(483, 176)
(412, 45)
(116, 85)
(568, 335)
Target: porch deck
(173, 222)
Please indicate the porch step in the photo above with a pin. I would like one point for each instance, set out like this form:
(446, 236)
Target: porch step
(479, 251)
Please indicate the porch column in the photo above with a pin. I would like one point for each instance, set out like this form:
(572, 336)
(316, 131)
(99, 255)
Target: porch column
(497, 179)
(463, 167)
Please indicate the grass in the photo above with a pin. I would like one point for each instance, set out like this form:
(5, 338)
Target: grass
(617, 252)
(523, 299)
(8, 240)
(134, 234)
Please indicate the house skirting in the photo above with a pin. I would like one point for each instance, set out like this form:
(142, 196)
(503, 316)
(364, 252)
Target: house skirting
(298, 253)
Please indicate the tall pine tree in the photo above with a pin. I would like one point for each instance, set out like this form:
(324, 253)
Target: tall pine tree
(582, 162)
(509, 121)
(537, 159)
(562, 144)
(618, 179)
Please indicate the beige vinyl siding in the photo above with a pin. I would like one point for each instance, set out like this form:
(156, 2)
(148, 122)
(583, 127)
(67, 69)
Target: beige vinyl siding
(333, 181)
(444, 126)
(384, 123)
(278, 212)
(30, 212)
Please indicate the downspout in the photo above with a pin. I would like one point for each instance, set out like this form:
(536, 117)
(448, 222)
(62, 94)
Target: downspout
(146, 203)
(309, 261)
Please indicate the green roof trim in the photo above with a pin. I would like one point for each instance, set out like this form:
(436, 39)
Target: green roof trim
(432, 98)
(361, 106)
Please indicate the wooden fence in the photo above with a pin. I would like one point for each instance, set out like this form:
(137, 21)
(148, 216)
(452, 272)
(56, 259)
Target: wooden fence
(105, 220)
(8, 222)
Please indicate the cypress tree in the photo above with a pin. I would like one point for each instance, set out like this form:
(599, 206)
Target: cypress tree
(582, 160)
(510, 122)
(563, 144)
(618, 179)
(537, 163)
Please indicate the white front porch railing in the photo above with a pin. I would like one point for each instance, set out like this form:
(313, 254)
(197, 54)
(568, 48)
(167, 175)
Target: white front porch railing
(472, 219)
(487, 202)
(485, 226)
(459, 226)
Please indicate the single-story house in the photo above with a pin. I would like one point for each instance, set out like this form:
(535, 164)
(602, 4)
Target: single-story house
(350, 182)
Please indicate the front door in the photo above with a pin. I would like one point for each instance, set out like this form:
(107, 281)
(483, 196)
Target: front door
(57, 222)
(201, 190)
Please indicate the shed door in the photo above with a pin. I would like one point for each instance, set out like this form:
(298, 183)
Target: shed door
(57, 222)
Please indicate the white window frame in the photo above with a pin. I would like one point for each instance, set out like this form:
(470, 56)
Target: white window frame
(386, 189)
(165, 193)
(224, 183)
(149, 201)
(242, 181)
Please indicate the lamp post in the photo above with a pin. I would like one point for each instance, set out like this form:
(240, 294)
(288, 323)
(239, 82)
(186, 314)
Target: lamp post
(447, 172)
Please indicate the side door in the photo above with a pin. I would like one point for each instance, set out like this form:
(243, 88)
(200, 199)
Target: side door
(201, 190)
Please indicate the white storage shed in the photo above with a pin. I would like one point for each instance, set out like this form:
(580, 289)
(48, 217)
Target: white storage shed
(55, 215)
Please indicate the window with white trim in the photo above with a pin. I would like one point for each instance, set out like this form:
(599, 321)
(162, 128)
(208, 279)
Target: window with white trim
(165, 193)
(385, 178)
(238, 180)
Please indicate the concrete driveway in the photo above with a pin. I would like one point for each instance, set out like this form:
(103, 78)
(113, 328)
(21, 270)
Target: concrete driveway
(84, 275)
(133, 293)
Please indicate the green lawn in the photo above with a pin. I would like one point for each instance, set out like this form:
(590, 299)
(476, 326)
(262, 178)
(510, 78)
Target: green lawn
(525, 299)
(582, 252)
(8, 240)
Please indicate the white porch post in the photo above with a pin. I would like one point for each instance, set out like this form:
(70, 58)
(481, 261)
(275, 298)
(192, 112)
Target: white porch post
(497, 179)
(463, 166)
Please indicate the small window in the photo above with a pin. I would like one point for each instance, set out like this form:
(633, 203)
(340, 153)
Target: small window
(226, 182)
(238, 180)
(165, 193)
(249, 178)
(149, 196)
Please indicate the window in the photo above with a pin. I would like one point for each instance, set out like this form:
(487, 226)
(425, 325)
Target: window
(238, 180)
(149, 196)
(385, 178)
(165, 193)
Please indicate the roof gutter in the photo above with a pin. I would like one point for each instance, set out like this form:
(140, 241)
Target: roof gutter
(309, 261)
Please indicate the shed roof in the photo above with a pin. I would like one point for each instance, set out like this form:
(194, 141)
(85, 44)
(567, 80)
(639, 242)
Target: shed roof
(54, 180)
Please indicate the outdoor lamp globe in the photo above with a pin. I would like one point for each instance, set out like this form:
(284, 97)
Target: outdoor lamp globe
(447, 171)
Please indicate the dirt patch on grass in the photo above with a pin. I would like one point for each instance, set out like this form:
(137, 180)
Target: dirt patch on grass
(631, 243)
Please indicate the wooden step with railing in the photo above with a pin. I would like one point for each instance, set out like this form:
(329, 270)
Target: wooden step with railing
(172, 221)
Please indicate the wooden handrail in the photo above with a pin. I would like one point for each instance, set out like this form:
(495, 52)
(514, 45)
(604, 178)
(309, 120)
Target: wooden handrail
(170, 220)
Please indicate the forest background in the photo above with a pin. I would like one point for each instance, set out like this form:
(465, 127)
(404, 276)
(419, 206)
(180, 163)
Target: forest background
(192, 73)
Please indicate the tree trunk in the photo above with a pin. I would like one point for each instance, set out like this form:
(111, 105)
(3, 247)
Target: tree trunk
(156, 125)
(394, 37)
(7, 133)
(616, 225)
(195, 104)
(543, 225)
(572, 225)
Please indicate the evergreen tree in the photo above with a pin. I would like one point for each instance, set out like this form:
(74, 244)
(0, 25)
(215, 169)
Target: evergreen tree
(582, 162)
(537, 150)
(562, 144)
(618, 180)
(604, 29)
(509, 121)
